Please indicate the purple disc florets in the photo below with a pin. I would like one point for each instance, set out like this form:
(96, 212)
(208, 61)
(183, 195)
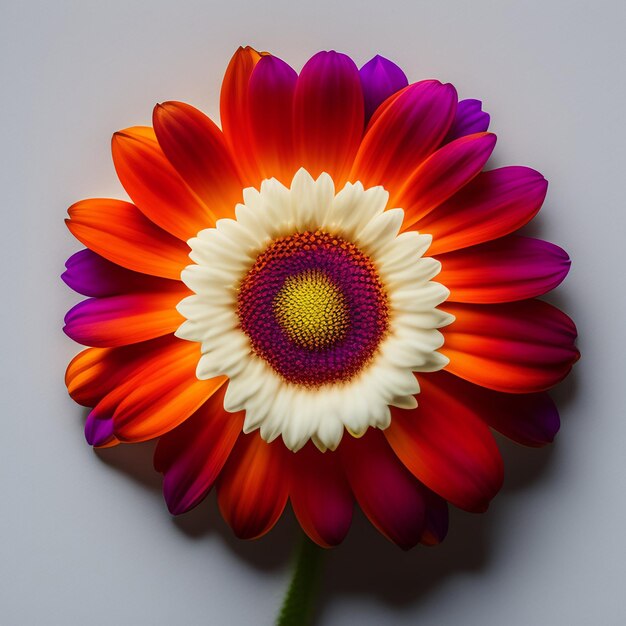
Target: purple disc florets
(314, 308)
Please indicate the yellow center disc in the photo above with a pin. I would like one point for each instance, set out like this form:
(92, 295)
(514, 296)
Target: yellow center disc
(312, 310)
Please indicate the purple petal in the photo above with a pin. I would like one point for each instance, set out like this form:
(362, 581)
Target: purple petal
(380, 78)
(91, 275)
(470, 119)
(98, 431)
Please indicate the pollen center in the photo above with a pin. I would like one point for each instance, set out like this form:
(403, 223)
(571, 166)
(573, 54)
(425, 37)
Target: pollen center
(312, 310)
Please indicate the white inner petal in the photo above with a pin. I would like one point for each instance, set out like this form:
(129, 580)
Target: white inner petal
(223, 256)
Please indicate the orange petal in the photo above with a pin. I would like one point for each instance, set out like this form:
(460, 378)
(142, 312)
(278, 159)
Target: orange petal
(195, 146)
(164, 396)
(155, 186)
(252, 489)
(234, 113)
(119, 232)
(95, 372)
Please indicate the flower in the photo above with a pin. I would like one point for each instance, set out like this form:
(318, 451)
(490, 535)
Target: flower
(322, 303)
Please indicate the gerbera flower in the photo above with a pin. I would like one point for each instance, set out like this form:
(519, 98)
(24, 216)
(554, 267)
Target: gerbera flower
(321, 303)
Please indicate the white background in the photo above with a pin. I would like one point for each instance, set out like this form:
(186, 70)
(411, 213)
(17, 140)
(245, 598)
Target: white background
(86, 538)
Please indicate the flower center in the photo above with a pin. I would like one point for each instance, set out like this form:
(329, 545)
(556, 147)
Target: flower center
(314, 308)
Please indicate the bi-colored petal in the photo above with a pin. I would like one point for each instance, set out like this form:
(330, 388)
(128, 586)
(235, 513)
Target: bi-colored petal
(105, 377)
(92, 275)
(386, 492)
(129, 318)
(155, 186)
(407, 130)
(380, 79)
(320, 496)
(252, 489)
(196, 148)
(447, 446)
(469, 119)
(119, 232)
(235, 113)
(442, 175)
(492, 205)
(520, 347)
(529, 419)
(507, 269)
(328, 115)
(191, 456)
(270, 98)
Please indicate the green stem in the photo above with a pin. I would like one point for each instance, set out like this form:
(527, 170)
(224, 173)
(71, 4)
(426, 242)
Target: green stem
(298, 604)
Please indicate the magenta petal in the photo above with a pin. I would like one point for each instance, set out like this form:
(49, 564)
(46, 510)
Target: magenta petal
(391, 498)
(494, 204)
(91, 275)
(98, 432)
(504, 270)
(328, 114)
(380, 78)
(191, 456)
(270, 105)
(469, 119)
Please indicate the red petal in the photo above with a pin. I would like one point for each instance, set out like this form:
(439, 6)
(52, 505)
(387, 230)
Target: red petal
(494, 204)
(446, 445)
(442, 175)
(192, 455)
(252, 489)
(521, 347)
(320, 496)
(328, 115)
(386, 492)
(196, 148)
(270, 96)
(119, 232)
(405, 129)
(155, 186)
(504, 270)
(530, 419)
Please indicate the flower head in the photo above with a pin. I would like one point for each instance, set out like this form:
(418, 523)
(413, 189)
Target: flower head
(321, 302)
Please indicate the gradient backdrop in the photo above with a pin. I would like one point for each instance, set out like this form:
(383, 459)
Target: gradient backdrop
(85, 537)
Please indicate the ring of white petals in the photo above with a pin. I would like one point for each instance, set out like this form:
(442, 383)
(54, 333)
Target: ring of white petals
(223, 255)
